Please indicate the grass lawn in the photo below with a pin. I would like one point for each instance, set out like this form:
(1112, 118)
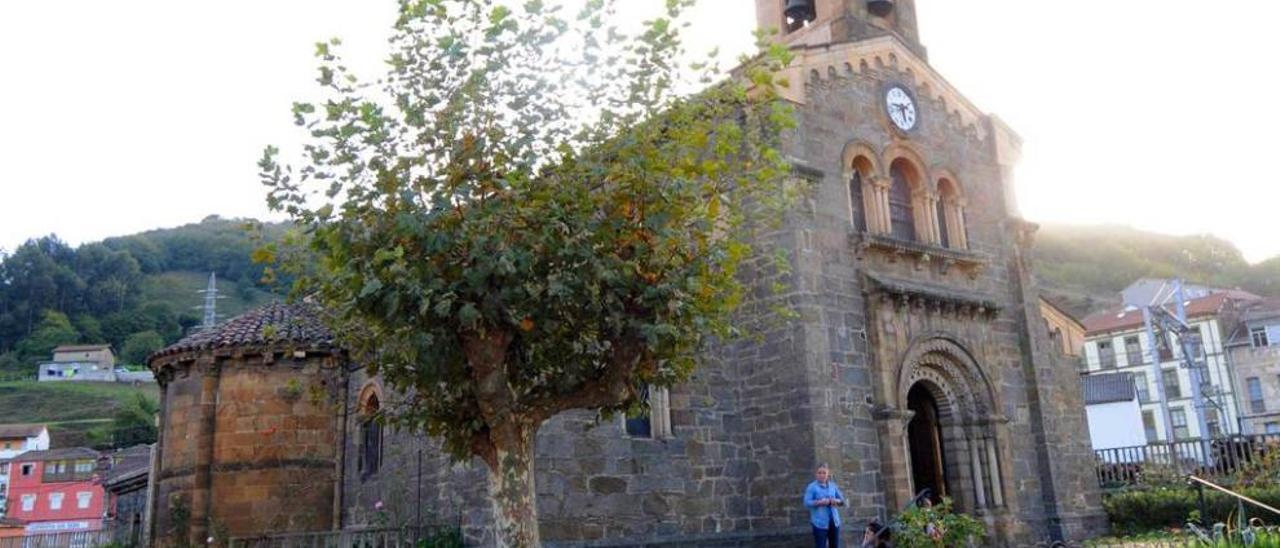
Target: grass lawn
(70, 409)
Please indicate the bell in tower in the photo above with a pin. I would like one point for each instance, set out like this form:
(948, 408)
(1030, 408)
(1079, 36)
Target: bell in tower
(819, 22)
(880, 8)
(799, 13)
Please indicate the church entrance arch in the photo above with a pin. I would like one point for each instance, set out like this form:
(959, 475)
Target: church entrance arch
(924, 438)
(944, 407)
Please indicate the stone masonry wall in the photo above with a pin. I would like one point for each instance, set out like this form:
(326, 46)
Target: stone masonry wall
(247, 448)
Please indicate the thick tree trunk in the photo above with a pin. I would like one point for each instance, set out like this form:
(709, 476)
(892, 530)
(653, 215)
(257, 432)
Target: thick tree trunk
(508, 446)
(511, 487)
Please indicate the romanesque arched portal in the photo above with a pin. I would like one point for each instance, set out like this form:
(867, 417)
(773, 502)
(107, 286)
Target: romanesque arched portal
(942, 429)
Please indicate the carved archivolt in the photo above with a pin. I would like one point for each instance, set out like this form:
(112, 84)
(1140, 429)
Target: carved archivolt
(958, 383)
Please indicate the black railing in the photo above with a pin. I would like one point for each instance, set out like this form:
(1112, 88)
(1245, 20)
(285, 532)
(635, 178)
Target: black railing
(1214, 458)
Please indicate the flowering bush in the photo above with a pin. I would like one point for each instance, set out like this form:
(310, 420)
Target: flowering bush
(936, 526)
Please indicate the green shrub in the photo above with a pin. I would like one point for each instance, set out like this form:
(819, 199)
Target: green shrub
(936, 526)
(1154, 509)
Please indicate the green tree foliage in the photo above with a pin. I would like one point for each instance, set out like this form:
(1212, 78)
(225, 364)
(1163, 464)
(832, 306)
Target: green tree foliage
(131, 424)
(140, 345)
(525, 217)
(54, 330)
(101, 285)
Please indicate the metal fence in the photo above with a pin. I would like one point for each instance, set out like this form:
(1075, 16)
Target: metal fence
(1214, 459)
(403, 537)
(76, 539)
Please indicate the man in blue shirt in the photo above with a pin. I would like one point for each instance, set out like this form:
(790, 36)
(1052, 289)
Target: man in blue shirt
(823, 499)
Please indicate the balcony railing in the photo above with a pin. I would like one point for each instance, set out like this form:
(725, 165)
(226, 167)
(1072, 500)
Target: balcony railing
(1207, 458)
(58, 477)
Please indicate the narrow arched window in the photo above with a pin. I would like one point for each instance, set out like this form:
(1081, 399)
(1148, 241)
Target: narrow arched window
(901, 212)
(859, 216)
(370, 453)
(862, 197)
(951, 222)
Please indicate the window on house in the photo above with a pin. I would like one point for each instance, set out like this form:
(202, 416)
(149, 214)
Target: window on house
(656, 423)
(83, 498)
(28, 468)
(370, 456)
(28, 503)
(84, 466)
(902, 218)
(1106, 356)
(1178, 417)
(1259, 337)
(55, 501)
(1256, 402)
(1172, 389)
(1212, 421)
(1149, 426)
(1144, 389)
(1273, 428)
(1133, 350)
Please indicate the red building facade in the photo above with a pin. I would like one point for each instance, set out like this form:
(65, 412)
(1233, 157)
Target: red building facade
(56, 491)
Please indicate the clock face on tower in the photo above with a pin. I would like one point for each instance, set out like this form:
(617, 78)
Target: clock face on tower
(901, 108)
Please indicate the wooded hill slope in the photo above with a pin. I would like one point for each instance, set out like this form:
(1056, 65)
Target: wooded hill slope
(1083, 268)
(136, 293)
(139, 292)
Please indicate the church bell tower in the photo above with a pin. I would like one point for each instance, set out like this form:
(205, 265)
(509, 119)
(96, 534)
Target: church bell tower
(824, 22)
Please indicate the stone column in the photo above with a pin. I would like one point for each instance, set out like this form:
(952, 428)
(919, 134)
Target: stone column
(882, 185)
(924, 206)
(202, 494)
(931, 218)
(953, 211)
(993, 462)
(895, 457)
(975, 463)
(871, 204)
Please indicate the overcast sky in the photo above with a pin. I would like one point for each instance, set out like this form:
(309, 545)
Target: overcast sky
(121, 116)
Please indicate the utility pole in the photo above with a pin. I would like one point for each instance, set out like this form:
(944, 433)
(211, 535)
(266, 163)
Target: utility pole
(210, 302)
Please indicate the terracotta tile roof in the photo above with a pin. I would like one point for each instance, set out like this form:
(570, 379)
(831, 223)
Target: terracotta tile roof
(14, 431)
(1108, 388)
(1125, 317)
(273, 324)
(57, 454)
(128, 464)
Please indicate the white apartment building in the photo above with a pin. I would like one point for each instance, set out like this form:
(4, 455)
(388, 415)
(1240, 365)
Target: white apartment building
(1116, 342)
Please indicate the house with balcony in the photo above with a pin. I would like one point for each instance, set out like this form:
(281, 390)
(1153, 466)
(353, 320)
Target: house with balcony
(1116, 342)
(16, 439)
(80, 362)
(57, 490)
(1254, 352)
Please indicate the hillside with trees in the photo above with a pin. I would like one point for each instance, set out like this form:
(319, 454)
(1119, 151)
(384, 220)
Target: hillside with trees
(136, 293)
(1083, 268)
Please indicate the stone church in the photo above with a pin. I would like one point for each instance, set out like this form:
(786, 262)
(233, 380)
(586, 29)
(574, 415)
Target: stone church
(917, 360)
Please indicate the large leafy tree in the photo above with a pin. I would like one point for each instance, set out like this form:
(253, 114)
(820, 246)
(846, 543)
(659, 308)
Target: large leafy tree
(527, 216)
